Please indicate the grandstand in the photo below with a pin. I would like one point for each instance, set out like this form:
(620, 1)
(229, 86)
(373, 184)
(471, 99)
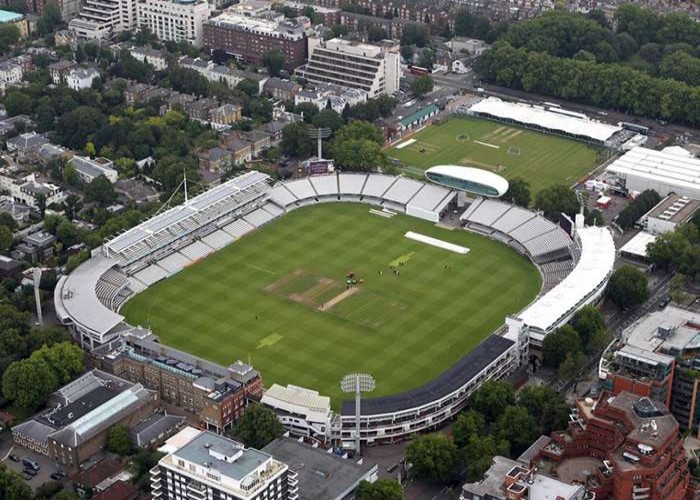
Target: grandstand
(524, 230)
(552, 120)
(574, 271)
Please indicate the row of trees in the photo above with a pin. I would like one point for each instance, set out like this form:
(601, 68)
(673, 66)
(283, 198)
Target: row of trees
(637, 208)
(678, 250)
(567, 348)
(613, 86)
(496, 423)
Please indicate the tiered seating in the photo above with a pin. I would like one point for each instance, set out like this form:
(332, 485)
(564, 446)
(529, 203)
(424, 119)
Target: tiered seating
(238, 228)
(196, 251)
(218, 239)
(273, 209)
(151, 274)
(301, 189)
(554, 273)
(110, 284)
(431, 197)
(258, 218)
(352, 184)
(282, 196)
(325, 185)
(377, 185)
(174, 263)
(402, 190)
(520, 228)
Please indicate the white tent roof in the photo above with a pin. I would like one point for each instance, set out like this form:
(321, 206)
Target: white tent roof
(660, 166)
(638, 244)
(540, 117)
(593, 268)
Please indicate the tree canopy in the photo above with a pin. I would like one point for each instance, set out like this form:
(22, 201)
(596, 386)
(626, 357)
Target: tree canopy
(492, 398)
(273, 61)
(382, 489)
(29, 382)
(258, 426)
(433, 457)
(518, 192)
(555, 200)
(627, 287)
(119, 440)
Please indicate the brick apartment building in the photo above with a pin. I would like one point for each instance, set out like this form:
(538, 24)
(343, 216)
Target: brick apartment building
(248, 39)
(217, 395)
(620, 447)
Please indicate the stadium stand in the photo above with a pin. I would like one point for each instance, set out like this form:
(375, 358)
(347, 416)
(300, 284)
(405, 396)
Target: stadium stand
(530, 234)
(88, 299)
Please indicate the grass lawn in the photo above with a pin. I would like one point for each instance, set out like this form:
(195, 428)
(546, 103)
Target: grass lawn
(507, 150)
(278, 297)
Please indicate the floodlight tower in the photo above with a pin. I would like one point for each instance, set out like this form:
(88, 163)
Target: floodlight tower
(36, 274)
(357, 383)
(319, 134)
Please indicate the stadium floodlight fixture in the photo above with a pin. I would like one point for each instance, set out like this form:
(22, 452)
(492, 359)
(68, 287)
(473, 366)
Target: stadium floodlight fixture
(319, 134)
(357, 383)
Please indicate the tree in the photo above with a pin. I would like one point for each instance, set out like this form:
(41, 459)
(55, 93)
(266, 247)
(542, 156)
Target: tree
(422, 85)
(492, 398)
(382, 489)
(308, 110)
(100, 191)
(258, 426)
(66, 360)
(407, 53)
(273, 61)
(72, 205)
(7, 220)
(676, 288)
(517, 427)
(12, 485)
(359, 155)
(518, 192)
(558, 344)
(75, 127)
(296, 142)
(477, 455)
(119, 441)
(50, 18)
(555, 200)
(9, 35)
(586, 321)
(67, 233)
(188, 81)
(432, 457)
(376, 34)
(17, 103)
(359, 129)
(248, 87)
(28, 383)
(549, 408)
(469, 424)
(327, 118)
(415, 34)
(570, 368)
(426, 59)
(627, 287)
(6, 239)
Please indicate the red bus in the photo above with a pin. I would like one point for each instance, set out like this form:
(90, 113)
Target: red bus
(417, 70)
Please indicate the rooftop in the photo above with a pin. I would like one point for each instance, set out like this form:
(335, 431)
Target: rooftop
(321, 475)
(672, 330)
(659, 166)
(7, 16)
(674, 208)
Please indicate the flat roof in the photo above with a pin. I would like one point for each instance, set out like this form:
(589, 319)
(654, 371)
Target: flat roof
(594, 266)
(298, 400)
(321, 475)
(660, 166)
(76, 292)
(541, 117)
(683, 329)
(674, 208)
(638, 244)
(455, 377)
(7, 16)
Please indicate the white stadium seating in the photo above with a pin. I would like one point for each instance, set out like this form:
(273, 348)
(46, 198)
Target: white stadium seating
(197, 250)
(218, 239)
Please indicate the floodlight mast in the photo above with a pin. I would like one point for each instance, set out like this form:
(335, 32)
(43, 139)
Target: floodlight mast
(319, 134)
(357, 383)
(36, 275)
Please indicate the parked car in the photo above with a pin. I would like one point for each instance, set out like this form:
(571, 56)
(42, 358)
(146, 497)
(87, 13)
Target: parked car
(14, 458)
(31, 464)
(58, 475)
(27, 476)
(392, 468)
(31, 472)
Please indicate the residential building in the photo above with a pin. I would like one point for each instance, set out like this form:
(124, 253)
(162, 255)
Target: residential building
(275, 128)
(10, 74)
(100, 19)
(658, 356)
(259, 141)
(467, 46)
(19, 20)
(82, 78)
(26, 144)
(156, 58)
(509, 479)
(619, 446)
(35, 247)
(224, 115)
(155, 429)
(9, 268)
(10, 124)
(27, 188)
(281, 89)
(669, 213)
(215, 159)
(60, 70)
(248, 39)
(329, 15)
(89, 169)
(79, 415)
(17, 210)
(216, 395)
(206, 465)
(174, 20)
(241, 149)
(336, 96)
(373, 68)
(320, 473)
(222, 74)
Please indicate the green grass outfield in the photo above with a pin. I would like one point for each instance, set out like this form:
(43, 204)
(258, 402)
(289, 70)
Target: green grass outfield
(540, 158)
(257, 299)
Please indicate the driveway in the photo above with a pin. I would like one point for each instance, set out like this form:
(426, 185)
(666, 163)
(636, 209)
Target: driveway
(47, 465)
